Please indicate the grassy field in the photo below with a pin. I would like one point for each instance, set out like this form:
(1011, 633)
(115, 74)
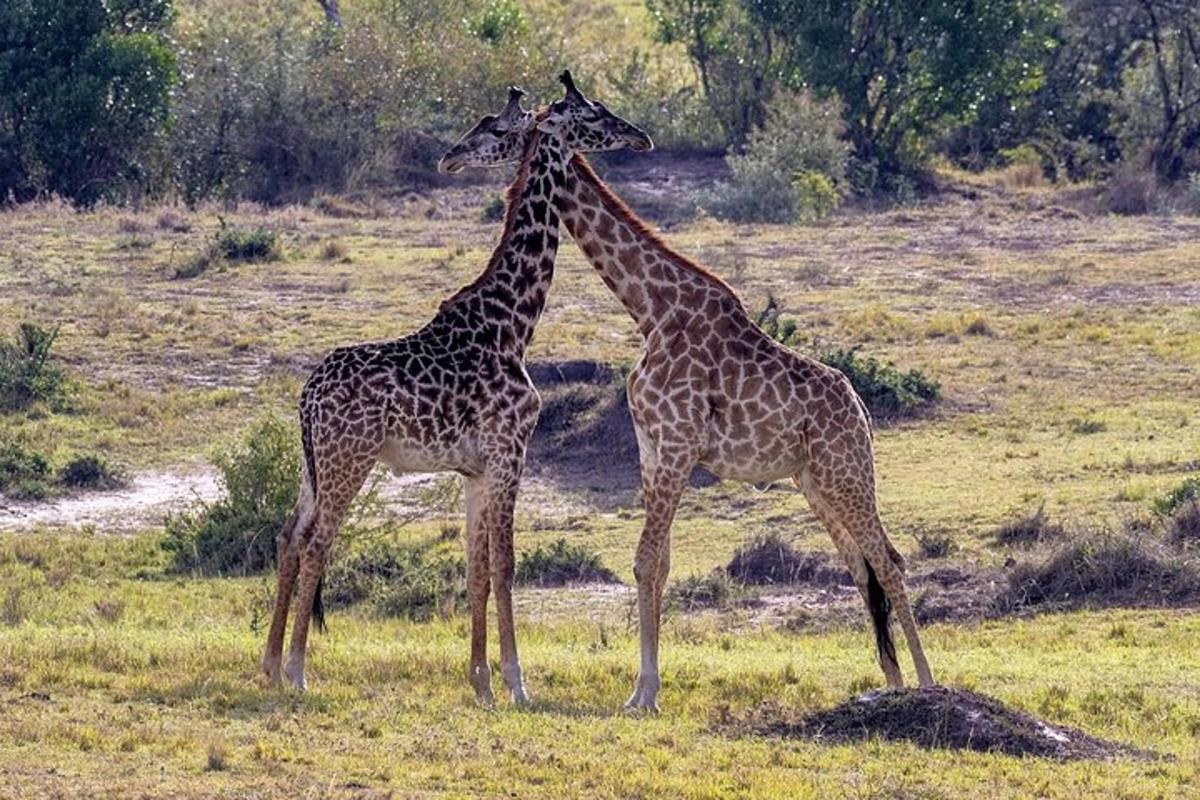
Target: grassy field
(1068, 349)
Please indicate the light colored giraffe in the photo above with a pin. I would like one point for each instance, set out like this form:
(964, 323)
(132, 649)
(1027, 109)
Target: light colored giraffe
(712, 389)
(452, 396)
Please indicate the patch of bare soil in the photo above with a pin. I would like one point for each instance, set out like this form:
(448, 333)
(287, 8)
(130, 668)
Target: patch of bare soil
(146, 499)
(584, 438)
(938, 718)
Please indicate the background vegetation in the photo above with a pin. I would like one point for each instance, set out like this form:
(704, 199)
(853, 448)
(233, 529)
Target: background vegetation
(280, 101)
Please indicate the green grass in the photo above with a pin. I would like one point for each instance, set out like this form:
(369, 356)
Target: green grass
(110, 676)
(1066, 359)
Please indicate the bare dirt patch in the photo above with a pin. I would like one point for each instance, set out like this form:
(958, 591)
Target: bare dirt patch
(142, 502)
(938, 718)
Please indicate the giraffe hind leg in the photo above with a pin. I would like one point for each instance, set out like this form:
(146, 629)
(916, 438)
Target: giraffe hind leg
(876, 600)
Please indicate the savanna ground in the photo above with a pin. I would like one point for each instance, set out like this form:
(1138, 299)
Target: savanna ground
(1068, 349)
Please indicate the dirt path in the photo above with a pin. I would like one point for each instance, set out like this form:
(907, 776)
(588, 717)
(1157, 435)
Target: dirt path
(140, 504)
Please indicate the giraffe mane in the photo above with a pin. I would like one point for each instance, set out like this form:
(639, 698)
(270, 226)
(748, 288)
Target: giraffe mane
(510, 212)
(621, 209)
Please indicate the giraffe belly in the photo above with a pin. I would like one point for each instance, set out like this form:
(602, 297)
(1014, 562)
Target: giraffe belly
(768, 453)
(409, 455)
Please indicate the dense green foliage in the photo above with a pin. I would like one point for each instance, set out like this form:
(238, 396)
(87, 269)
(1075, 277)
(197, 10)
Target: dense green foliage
(236, 534)
(84, 93)
(281, 101)
(885, 389)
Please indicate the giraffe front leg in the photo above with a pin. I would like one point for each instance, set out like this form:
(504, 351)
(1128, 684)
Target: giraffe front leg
(287, 560)
(498, 520)
(661, 492)
(478, 586)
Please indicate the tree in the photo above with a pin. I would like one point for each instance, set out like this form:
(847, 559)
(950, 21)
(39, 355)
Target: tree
(1161, 88)
(84, 92)
(904, 69)
(734, 58)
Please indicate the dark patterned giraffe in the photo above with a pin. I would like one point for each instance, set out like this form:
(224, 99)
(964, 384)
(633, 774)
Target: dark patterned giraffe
(452, 396)
(712, 389)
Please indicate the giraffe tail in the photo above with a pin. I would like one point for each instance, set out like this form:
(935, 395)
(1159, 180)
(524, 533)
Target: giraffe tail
(881, 610)
(318, 609)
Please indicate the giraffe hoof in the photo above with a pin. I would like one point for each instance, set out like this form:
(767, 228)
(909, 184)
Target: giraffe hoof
(485, 699)
(520, 697)
(272, 672)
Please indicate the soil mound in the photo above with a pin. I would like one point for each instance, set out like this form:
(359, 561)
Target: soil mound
(584, 437)
(769, 559)
(945, 719)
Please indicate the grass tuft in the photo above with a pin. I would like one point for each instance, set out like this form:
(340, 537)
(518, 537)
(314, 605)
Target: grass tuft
(715, 589)
(1032, 529)
(28, 371)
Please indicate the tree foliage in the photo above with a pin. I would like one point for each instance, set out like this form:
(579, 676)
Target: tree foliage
(84, 93)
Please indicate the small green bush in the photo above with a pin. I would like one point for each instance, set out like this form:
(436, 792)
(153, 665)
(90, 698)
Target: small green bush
(1186, 492)
(24, 473)
(28, 371)
(89, 471)
(885, 389)
(259, 244)
(232, 245)
(394, 579)
(791, 168)
(494, 210)
(236, 534)
(714, 590)
(561, 563)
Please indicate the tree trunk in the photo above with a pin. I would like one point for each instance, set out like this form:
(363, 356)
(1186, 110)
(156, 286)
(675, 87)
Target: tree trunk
(332, 14)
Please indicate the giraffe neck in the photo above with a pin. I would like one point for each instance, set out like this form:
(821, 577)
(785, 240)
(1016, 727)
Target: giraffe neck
(650, 279)
(506, 301)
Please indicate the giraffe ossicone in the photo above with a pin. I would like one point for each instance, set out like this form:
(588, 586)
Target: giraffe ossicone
(712, 389)
(453, 396)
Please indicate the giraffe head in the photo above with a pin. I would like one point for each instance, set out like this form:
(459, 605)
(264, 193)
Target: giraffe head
(586, 126)
(495, 139)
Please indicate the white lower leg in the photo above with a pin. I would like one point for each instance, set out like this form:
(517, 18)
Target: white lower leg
(515, 682)
(294, 669)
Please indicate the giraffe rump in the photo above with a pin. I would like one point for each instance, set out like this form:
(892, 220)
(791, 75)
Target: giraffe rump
(881, 611)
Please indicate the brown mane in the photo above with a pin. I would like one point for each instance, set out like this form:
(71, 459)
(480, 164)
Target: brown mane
(510, 213)
(618, 208)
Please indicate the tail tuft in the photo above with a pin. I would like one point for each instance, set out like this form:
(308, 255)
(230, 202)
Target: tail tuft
(318, 609)
(881, 609)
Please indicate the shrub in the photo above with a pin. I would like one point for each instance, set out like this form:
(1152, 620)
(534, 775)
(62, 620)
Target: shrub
(28, 371)
(714, 590)
(1131, 191)
(885, 389)
(1104, 568)
(24, 473)
(416, 581)
(89, 471)
(234, 246)
(494, 210)
(1186, 492)
(1191, 194)
(334, 249)
(791, 168)
(936, 545)
(766, 559)
(561, 563)
(782, 329)
(1032, 529)
(236, 534)
(1184, 524)
(250, 246)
